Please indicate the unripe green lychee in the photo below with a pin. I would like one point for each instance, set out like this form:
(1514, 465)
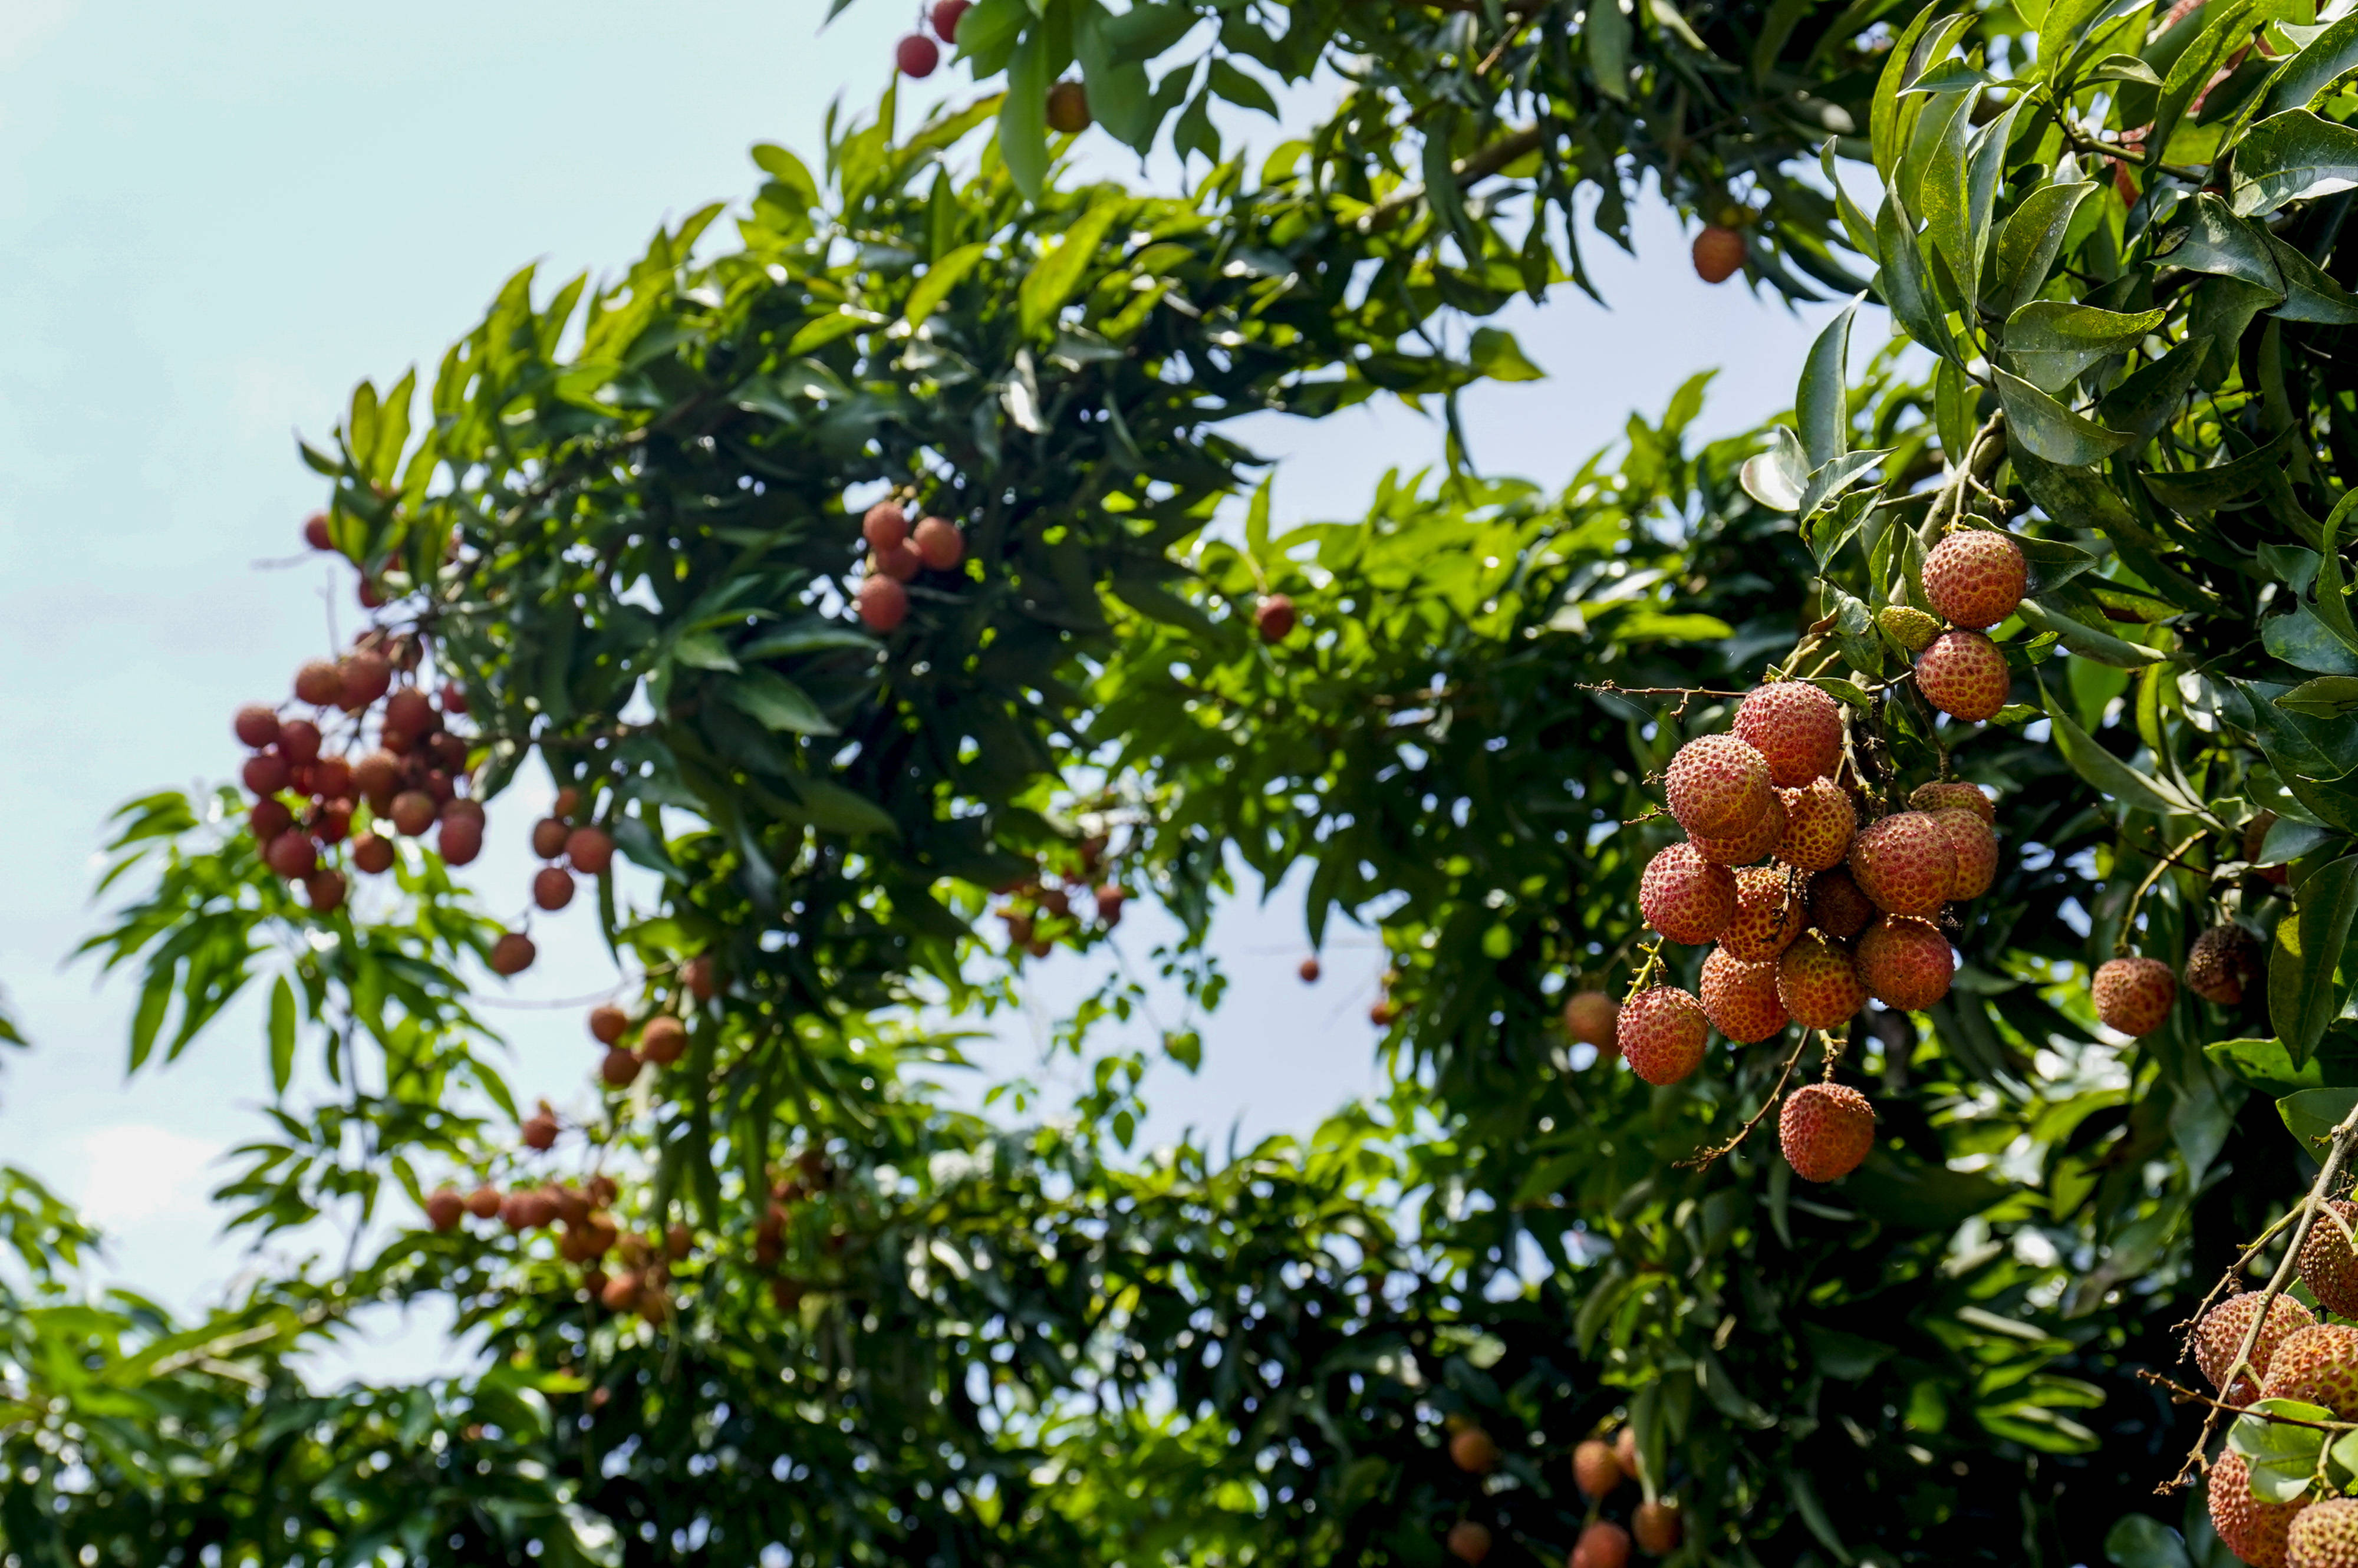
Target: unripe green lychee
(2327, 1265)
(2223, 961)
(1954, 794)
(2248, 1526)
(1974, 577)
(2221, 1333)
(1751, 845)
(2317, 1366)
(1904, 962)
(1836, 906)
(1595, 1468)
(1907, 626)
(1825, 1131)
(1767, 916)
(1817, 984)
(1685, 896)
(2134, 995)
(1662, 1033)
(1820, 823)
(1797, 727)
(1905, 864)
(1589, 1016)
(1740, 999)
(2322, 1535)
(1717, 786)
(1963, 675)
(1975, 844)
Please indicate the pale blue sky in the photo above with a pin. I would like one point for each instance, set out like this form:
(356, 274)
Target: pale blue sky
(213, 219)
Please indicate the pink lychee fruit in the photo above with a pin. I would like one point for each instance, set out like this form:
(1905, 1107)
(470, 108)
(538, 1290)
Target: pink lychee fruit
(1818, 984)
(1819, 822)
(1686, 897)
(1825, 1131)
(2135, 995)
(1662, 1033)
(1905, 864)
(1767, 916)
(1740, 999)
(1797, 727)
(1717, 785)
(1904, 962)
(1963, 675)
(1974, 577)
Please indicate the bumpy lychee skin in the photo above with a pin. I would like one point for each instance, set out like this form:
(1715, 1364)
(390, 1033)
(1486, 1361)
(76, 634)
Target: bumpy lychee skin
(1767, 916)
(1751, 847)
(1820, 823)
(1589, 1017)
(1837, 907)
(1818, 985)
(2134, 995)
(1797, 728)
(2321, 1534)
(1954, 794)
(1907, 626)
(1826, 1131)
(2327, 1266)
(1717, 785)
(2253, 1530)
(2221, 1333)
(2317, 1366)
(1963, 675)
(1974, 577)
(2223, 961)
(1686, 897)
(1740, 999)
(1662, 1033)
(1904, 962)
(1976, 849)
(1905, 864)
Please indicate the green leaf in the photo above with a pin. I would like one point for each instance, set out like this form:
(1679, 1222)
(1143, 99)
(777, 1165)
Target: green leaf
(1605, 36)
(282, 1034)
(1024, 116)
(1496, 355)
(2050, 341)
(1830, 479)
(2332, 594)
(2311, 1115)
(1822, 407)
(939, 279)
(1238, 88)
(2292, 156)
(2029, 240)
(1904, 282)
(2265, 1065)
(836, 809)
(1058, 274)
(2302, 996)
(2050, 430)
(1777, 477)
(2115, 778)
(2327, 697)
(2284, 1458)
(2323, 61)
(2224, 31)
(775, 702)
(2087, 640)
(2140, 1540)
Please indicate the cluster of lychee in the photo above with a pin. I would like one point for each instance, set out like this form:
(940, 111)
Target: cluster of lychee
(2134, 994)
(897, 553)
(1040, 908)
(1973, 578)
(587, 849)
(917, 55)
(2296, 1358)
(1600, 1466)
(587, 1229)
(661, 1038)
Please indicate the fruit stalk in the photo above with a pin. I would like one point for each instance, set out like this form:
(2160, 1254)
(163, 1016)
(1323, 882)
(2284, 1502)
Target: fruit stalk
(1776, 1097)
(2128, 918)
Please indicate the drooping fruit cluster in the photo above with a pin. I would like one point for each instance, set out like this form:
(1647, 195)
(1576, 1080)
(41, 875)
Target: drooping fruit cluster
(1973, 578)
(587, 849)
(897, 554)
(1041, 908)
(586, 1232)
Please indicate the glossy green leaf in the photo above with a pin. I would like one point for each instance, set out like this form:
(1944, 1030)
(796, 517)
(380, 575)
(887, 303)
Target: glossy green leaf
(2302, 995)
(1057, 275)
(2050, 342)
(1822, 407)
(2114, 778)
(2292, 156)
(2050, 430)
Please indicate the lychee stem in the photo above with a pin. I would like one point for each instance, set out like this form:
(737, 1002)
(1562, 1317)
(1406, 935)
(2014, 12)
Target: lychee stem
(2128, 920)
(1638, 982)
(1700, 1161)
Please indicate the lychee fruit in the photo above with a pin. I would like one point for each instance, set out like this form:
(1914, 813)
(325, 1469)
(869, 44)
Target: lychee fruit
(552, 887)
(2221, 1334)
(256, 725)
(292, 855)
(1657, 1526)
(1309, 971)
(332, 778)
(917, 55)
(2321, 1534)
(1625, 1449)
(1068, 108)
(1907, 626)
(483, 1201)
(1606, 1545)
(364, 677)
(1836, 906)
(1974, 577)
(1717, 785)
(1469, 1542)
(1686, 897)
(2248, 1526)
(1975, 847)
(1963, 675)
(664, 1041)
(459, 840)
(701, 976)
(548, 837)
(410, 711)
(372, 854)
(1825, 1131)
(1797, 727)
(324, 890)
(946, 17)
(2327, 1265)
(901, 563)
(2135, 995)
(1589, 1018)
(268, 817)
(539, 1131)
(1954, 794)
(1740, 999)
(1110, 898)
(315, 532)
(319, 683)
(1383, 1012)
(590, 850)
(1718, 251)
(512, 954)
(1820, 823)
(939, 543)
(1595, 1469)
(1905, 864)
(1904, 962)
(1661, 1032)
(1751, 845)
(619, 1067)
(2317, 1366)
(1274, 617)
(444, 1208)
(454, 697)
(1818, 985)
(377, 777)
(883, 603)
(606, 1023)
(413, 812)
(885, 526)
(1472, 1450)
(621, 1292)
(2223, 961)
(265, 772)
(1767, 916)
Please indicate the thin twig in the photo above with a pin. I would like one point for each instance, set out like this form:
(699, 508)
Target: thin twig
(1698, 1161)
(2179, 1394)
(2128, 920)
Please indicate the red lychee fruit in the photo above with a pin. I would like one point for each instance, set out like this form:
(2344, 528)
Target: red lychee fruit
(324, 890)
(2253, 1530)
(292, 855)
(454, 697)
(552, 887)
(1718, 253)
(1796, 726)
(268, 817)
(567, 802)
(619, 1069)
(678, 1242)
(332, 778)
(1836, 906)
(377, 777)
(459, 840)
(946, 17)
(1740, 999)
(1383, 1013)
(2135, 995)
(1976, 845)
(621, 1292)
(1974, 577)
(883, 603)
(1954, 794)
(1589, 1018)
(1825, 1130)
(885, 527)
(939, 543)
(2327, 1265)
(413, 812)
(1657, 1526)
(512, 954)
(1686, 897)
(1068, 108)
(1604, 1544)
(1661, 1032)
(539, 1132)
(2317, 1366)
(1472, 1450)
(265, 772)
(702, 977)
(1905, 864)
(1595, 1469)
(590, 850)
(1717, 785)
(1904, 962)
(410, 711)
(332, 822)
(2221, 1334)
(917, 55)
(443, 1208)
(548, 837)
(449, 752)
(372, 854)
(901, 563)
(1274, 617)
(2321, 1534)
(319, 682)
(2223, 961)
(1818, 985)
(1767, 916)
(1820, 823)
(1963, 675)
(608, 1023)
(1309, 971)
(1751, 845)
(315, 532)
(1625, 1449)
(664, 1041)
(256, 725)
(1110, 898)
(1469, 1542)
(483, 1201)
(298, 742)
(364, 677)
